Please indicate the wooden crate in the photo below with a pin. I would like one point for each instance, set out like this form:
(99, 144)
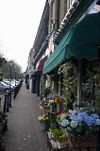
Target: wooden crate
(89, 141)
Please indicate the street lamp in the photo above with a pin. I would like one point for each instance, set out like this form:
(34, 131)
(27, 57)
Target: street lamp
(1, 63)
(10, 85)
(1, 74)
(15, 76)
(10, 73)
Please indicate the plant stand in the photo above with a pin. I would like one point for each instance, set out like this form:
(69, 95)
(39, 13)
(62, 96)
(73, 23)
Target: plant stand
(82, 143)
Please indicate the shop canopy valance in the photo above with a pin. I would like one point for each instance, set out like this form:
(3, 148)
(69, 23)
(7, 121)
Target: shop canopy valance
(80, 42)
(39, 69)
(41, 64)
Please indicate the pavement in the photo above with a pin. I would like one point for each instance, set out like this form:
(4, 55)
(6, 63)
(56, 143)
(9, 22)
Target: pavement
(24, 132)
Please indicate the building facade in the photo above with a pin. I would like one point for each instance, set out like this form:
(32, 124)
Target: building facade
(63, 15)
(57, 19)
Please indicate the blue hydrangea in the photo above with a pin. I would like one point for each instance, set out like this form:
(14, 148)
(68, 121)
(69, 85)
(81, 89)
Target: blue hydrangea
(64, 123)
(90, 121)
(77, 120)
(95, 116)
(73, 117)
(83, 115)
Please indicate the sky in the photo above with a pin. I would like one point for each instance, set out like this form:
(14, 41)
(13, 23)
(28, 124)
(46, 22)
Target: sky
(19, 21)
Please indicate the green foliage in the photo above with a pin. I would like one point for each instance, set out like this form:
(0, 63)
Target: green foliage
(52, 86)
(42, 86)
(45, 91)
(69, 82)
(58, 135)
(68, 91)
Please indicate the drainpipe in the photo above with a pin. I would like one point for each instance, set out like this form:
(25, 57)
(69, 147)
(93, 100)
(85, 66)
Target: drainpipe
(56, 13)
(98, 140)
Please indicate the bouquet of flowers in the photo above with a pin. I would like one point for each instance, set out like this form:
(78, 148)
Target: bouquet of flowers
(44, 122)
(43, 118)
(43, 104)
(58, 99)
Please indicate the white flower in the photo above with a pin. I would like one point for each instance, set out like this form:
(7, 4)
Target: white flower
(51, 101)
(40, 118)
(74, 124)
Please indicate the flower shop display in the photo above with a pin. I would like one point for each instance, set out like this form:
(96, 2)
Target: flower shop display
(50, 107)
(81, 128)
(44, 116)
(43, 106)
(55, 106)
(56, 103)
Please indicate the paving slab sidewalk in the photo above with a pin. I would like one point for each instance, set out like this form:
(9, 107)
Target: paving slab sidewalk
(24, 131)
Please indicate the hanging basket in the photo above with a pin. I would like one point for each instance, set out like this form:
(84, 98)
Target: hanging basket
(82, 141)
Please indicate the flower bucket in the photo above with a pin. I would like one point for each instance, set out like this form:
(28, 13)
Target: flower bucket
(52, 107)
(59, 107)
(44, 125)
(53, 124)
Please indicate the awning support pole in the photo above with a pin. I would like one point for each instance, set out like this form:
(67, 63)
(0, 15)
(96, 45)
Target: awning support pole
(79, 85)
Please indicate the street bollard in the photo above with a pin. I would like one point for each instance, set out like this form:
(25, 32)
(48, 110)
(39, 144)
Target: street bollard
(10, 98)
(15, 93)
(16, 90)
(8, 102)
(0, 104)
(5, 104)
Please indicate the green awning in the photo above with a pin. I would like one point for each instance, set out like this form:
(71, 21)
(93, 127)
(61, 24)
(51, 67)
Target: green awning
(57, 56)
(85, 38)
(80, 42)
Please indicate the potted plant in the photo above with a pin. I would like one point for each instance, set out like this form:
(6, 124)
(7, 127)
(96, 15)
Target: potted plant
(58, 138)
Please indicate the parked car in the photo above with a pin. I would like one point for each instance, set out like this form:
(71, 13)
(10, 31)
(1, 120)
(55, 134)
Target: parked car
(3, 87)
(15, 82)
(10, 85)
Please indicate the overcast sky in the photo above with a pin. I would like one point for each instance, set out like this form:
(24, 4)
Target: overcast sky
(19, 21)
